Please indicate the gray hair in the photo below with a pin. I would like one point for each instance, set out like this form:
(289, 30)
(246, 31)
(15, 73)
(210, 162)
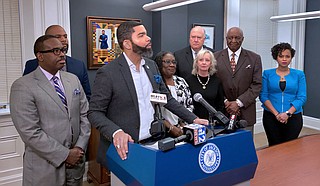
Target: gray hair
(200, 54)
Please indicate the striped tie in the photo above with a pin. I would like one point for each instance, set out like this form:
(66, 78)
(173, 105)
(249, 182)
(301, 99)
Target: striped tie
(60, 92)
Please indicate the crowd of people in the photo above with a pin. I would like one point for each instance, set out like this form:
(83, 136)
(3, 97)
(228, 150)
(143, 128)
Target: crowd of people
(51, 111)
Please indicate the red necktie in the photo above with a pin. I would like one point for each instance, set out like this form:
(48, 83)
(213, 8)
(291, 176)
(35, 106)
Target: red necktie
(233, 62)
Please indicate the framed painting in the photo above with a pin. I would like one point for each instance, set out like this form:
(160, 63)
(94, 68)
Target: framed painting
(102, 40)
(210, 34)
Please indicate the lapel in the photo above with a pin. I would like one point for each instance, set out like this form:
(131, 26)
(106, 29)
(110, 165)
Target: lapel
(126, 74)
(241, 60)
(67, 85)
(151, 71)
(47, 87)
(189, 56)
(226, 61)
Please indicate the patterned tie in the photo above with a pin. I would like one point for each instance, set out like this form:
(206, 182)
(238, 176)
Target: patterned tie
(60, 92)
(233, 62)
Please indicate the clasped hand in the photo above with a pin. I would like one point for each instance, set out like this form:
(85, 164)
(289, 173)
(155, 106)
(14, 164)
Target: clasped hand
(75, 157)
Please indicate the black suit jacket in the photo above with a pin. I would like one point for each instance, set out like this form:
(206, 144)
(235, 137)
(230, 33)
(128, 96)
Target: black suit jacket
(114, 102)
(184, 60)
(74, 66)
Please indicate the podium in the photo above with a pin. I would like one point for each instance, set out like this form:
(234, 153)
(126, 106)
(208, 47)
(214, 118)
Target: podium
(223, 160)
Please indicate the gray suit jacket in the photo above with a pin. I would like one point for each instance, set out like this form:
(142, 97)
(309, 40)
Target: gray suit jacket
(45, 126)
(184, 60)
(245, 84)
(114, 102)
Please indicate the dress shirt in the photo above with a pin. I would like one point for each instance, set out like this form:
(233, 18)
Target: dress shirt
(144, 89)
(50, 76)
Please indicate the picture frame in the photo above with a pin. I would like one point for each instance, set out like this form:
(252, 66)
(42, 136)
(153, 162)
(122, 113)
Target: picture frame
(210, 34)
(102, 40)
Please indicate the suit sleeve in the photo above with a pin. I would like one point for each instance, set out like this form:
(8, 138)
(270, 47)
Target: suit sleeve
(24, 113)
(85, 81)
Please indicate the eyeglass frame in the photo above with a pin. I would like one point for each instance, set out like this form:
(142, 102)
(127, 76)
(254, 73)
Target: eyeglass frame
(168, 62)
(56, 51)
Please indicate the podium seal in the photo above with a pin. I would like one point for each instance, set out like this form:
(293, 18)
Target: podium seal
(209, 158)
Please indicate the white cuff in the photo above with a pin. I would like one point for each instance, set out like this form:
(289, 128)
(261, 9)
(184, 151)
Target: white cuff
(239, 103)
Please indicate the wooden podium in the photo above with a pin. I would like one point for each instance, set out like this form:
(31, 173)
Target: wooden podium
(96, 173)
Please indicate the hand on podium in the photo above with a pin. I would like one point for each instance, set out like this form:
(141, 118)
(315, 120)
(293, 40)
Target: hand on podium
(201, 121)
(120, 141)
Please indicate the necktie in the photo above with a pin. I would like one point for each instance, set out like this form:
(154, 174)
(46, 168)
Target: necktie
(233, 62)
(60, 92)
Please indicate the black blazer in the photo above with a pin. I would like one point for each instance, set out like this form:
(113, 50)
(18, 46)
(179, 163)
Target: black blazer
(74, 66)
(114, 102)
(184, 60)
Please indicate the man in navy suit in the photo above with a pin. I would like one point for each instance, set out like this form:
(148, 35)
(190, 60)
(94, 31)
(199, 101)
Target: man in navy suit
(120, 106)
(185, 56)
(73, 65)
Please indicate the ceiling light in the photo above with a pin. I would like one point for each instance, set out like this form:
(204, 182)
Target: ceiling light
(296, 17)
(166, 4)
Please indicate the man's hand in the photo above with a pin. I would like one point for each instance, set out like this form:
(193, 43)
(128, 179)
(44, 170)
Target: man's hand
(201, 121)
(75, 156)
(120, 141)
(232, 107)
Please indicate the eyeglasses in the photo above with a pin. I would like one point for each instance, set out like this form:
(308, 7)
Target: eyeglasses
(174, 62)
(56, 51)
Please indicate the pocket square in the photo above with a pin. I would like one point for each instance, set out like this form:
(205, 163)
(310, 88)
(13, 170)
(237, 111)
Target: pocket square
(76, 91)
(249, 66)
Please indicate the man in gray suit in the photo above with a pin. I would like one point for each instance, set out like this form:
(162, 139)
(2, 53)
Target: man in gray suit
(243, 84)
(185, 56)
(120, 106)
(55, 134)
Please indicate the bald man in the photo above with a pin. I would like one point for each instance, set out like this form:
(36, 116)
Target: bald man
(185, 56)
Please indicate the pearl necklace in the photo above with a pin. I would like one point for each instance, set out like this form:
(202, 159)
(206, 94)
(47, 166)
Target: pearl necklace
(203, 84)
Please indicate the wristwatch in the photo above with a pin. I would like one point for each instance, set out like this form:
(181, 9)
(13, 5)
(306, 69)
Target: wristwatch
(288, 114)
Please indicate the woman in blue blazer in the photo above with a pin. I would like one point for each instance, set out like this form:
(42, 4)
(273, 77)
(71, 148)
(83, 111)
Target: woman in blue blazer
(282, 95)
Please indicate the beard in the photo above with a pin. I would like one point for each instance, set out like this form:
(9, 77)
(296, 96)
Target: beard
(143, 51)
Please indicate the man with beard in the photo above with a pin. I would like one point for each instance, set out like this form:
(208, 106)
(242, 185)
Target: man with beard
(120, 106)
(72, 65)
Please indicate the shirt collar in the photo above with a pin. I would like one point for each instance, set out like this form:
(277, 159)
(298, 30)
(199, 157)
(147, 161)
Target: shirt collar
(48, 75)
(237, 52)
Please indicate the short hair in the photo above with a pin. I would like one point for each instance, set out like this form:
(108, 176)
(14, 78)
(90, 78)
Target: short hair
(125, 31)
(38, 45)
(159, 58)
(278, 48)
(201, 53)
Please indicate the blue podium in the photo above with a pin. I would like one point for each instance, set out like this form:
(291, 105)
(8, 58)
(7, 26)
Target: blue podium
(223, 160)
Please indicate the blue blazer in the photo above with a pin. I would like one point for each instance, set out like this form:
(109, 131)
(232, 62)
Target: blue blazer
(295, 93)
(74, 66)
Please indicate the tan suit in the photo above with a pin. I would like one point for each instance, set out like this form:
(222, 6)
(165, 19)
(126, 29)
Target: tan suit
(244, 84)
(46, 128)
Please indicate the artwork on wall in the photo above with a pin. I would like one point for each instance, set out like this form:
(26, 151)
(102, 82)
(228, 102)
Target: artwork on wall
(210, 34)
(102, 41)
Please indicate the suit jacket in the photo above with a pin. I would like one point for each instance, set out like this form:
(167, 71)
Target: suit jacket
(74, 66)
(114, 102)
(46, 128)
(245, 84)
(184, 58)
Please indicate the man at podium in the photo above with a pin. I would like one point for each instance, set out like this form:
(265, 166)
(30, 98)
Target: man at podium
(120, 106)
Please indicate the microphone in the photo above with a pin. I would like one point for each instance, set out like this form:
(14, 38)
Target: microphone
(221, 118)
(157, 129)
(232, 127)
(193, 133)
(233, 119)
